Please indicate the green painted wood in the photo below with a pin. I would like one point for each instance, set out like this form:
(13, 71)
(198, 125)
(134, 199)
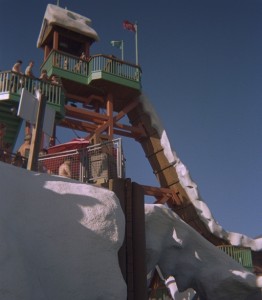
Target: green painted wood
(98, 67)
(114, 78)
(9, 118)
(240, 254)
(11, 85)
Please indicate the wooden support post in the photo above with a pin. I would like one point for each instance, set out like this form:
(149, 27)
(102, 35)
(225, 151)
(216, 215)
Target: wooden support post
(37, 134)
(109, 111)
(55, 40)
(46, 52)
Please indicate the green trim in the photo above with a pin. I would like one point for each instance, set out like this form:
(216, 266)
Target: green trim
(114, 78)
(242, 255)
(12, 122)
(10, 81)
(98, 67)
(68, 75)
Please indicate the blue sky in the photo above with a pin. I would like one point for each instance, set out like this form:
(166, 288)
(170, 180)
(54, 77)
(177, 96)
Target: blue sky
(201, 63)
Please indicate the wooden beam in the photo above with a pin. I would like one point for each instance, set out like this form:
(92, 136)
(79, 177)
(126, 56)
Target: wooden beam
(109, 112)
(126, 110)
(133, 129)
(124, 133)
(77, 125)
(85, 114)
(101, 122)
(85, 100)
(162, 194)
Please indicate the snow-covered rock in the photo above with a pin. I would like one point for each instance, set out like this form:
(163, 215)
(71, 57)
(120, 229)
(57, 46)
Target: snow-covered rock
(59, 239)
(181, 252)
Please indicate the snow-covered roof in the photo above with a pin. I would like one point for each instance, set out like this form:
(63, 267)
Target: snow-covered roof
(67, 19)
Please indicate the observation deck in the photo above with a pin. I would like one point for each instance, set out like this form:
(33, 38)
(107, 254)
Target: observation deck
(11, 84)
(99, 75)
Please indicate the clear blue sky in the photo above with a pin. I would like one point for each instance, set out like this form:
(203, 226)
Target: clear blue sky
(201, 63)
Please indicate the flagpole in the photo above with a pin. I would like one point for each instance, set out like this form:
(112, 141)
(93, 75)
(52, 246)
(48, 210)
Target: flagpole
(122, 50)
(136, 42)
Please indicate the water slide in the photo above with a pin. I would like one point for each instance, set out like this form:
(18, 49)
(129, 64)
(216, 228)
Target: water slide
(173, 174)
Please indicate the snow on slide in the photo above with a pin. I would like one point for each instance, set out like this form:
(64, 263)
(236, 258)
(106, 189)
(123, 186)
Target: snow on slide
(190, 187)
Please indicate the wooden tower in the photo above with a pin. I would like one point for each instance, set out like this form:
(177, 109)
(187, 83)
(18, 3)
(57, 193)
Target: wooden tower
(100, 88)
(99, 91)
(94, 94)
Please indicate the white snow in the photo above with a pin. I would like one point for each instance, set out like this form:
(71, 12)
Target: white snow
(186, 260)
(191, 188)
(59, 239)
(64, 18)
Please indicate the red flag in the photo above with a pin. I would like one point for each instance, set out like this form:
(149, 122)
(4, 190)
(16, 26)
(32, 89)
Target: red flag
(129, 26)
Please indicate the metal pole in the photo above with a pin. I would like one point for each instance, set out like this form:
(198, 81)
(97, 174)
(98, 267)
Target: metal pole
(122, 50)
(136, 42)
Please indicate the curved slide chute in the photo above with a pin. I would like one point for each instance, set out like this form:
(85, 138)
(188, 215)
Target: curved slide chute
(173, 174)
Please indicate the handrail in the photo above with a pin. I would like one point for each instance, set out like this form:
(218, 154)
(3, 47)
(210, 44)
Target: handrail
(67, 62)
(95, 63)
(12, 82)
(116, 59)
(112, 65)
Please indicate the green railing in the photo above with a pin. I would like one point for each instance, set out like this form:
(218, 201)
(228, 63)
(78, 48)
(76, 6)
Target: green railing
(11, 84)
(96, 67)
(66, 66)
(70, 63)
(240, 254)
(114, 66)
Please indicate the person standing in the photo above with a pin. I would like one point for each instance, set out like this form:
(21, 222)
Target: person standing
(17, 67)
(30, 74)
(43, 75)
(44, 78)
(29, 70)
(15, 78)
(65, 168)
(25, 147)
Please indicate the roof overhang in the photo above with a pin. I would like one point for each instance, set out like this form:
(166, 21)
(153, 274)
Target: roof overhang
(58, 16)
